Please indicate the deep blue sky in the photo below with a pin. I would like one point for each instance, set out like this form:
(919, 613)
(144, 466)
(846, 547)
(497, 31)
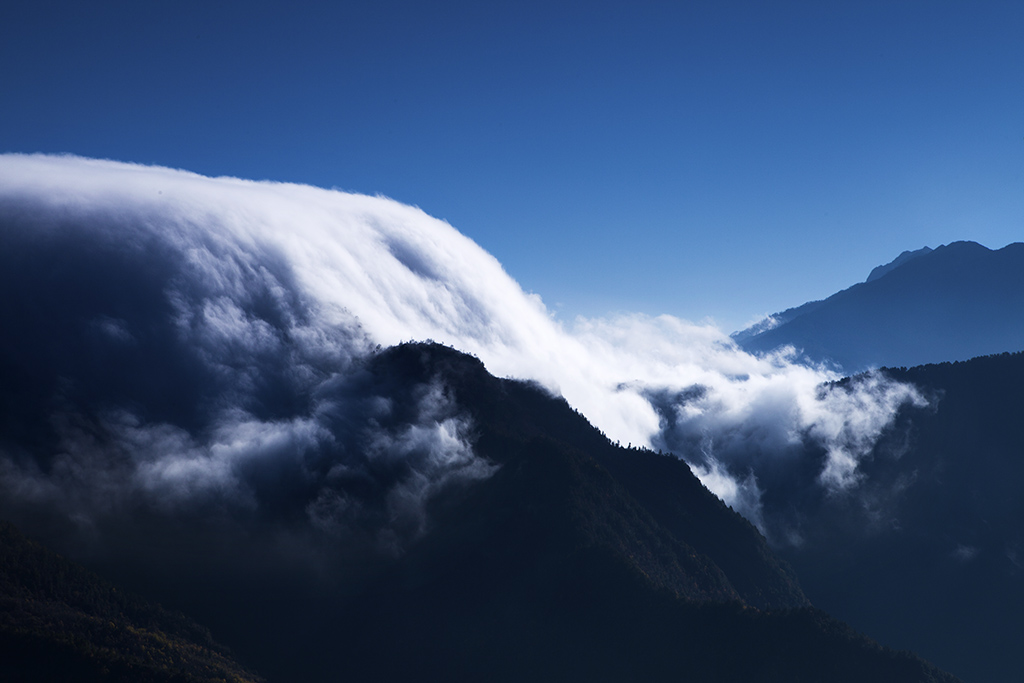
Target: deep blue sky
(721, 159)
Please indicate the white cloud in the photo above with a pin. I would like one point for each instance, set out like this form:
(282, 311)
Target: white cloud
(306, 279)
(436, 448)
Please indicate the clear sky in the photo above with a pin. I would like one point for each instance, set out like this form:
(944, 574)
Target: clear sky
(718, 159)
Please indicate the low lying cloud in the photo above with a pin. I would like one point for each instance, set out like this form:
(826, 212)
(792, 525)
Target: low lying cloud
(213, 330)
(965, 553)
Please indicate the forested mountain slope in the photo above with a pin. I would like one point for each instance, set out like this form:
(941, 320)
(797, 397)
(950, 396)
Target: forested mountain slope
(61, 622)
(572, 558)
(928, 552)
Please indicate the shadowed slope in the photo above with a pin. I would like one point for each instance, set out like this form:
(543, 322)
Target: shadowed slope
(59, 621)
(928, 553)
(575, 560)
(572, 559)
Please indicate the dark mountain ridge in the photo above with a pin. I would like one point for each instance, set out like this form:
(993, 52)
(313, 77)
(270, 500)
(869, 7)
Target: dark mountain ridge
(574, 559)
(645, 505)
(928, 552)
(955, 302)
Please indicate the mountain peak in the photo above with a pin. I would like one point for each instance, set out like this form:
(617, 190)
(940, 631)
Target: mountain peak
(879, 271)
(954, 302)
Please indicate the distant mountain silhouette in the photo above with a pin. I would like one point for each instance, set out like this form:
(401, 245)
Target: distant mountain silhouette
(61, 622)
(928, 552)
(956, 302)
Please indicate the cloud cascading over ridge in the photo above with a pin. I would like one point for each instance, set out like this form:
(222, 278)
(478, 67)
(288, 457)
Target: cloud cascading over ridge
(234, 310)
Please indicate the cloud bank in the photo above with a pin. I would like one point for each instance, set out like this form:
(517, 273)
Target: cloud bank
(195, 342)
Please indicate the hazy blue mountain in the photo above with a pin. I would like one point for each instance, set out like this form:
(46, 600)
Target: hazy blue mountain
(952, 303)
(879, 271)
(927, 553)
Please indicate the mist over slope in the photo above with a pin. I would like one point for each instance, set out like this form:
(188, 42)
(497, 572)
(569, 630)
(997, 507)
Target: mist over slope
(187, 344)
(935, 534)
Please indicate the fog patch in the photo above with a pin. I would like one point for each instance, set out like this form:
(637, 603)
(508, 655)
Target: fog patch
(965, 553)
